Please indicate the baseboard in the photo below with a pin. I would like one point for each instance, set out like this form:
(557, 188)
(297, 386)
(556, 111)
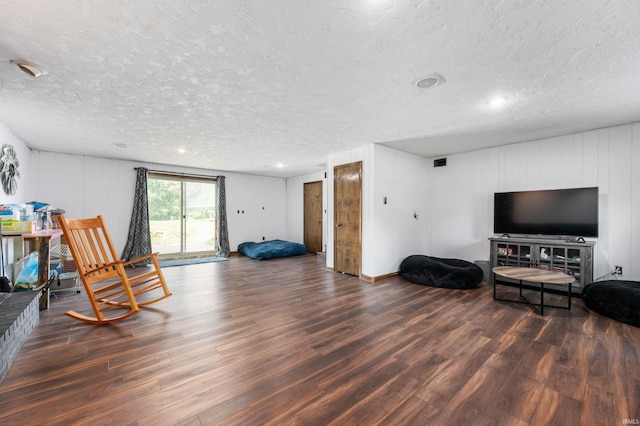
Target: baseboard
(369, 279)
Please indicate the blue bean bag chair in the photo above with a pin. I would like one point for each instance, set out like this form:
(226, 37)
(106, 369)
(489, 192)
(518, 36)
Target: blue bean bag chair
(443, 273)
(271, 249)
(617, 299)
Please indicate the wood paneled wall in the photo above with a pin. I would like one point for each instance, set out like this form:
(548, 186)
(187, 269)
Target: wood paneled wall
(461, 194)
(458, 212)
(87, 186)
(390, 232)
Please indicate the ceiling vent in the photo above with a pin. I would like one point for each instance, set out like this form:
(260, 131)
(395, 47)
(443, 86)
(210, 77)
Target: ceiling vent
(439, 162)
(430, 81)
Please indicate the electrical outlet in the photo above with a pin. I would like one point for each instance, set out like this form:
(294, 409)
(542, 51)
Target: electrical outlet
(617, 270)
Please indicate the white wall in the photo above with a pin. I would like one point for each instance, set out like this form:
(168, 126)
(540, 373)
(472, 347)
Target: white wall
(263, 200)
(295, 206)
(389, 232)
(399, 228)
(88, 186)
(461, 194)
(25, 181)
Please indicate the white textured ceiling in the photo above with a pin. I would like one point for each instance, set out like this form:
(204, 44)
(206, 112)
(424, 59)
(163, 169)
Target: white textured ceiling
(245, 84)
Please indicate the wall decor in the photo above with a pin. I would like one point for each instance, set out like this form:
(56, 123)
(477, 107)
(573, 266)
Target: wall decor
(9, 169)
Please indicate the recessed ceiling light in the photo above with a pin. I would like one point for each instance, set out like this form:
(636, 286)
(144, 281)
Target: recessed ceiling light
(181, 150)
(280, 165)
(430, 81)
(498, 101)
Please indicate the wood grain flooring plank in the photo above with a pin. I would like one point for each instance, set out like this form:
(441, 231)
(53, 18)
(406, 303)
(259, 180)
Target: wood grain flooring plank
(350, 392)
(278, 405)
(569, 372)
(631, 353)
(52, 393)
(557, 409)
(607, 367)
(413, 411)
(554, 331)
(604, 408)
(374, 408)
(450, 376)
(191, 395)
(257, 385)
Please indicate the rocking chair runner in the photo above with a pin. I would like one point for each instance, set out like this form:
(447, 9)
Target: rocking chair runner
(114, 295)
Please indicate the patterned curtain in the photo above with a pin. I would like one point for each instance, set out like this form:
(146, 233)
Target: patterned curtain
(223, 233)
(139, 239)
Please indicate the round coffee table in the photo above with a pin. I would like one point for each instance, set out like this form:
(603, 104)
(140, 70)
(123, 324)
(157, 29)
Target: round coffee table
(533, 275)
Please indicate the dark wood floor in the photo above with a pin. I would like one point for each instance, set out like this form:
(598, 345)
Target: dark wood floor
(285, 341)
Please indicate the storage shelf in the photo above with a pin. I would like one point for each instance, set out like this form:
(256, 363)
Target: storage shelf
(569, 257)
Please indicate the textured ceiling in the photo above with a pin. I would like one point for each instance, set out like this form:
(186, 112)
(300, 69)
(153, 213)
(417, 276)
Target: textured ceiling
(244, 85)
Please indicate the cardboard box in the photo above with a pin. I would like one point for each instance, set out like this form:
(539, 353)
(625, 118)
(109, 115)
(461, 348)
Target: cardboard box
(17, 226)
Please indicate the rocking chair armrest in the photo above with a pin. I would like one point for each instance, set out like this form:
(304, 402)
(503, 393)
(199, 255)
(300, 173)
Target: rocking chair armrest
(138, 259)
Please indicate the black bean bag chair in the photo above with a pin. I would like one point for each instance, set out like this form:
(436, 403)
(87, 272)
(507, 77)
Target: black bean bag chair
(617, 299)
(444, 273)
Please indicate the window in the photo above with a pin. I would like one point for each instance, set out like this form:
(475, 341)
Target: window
(182, 214)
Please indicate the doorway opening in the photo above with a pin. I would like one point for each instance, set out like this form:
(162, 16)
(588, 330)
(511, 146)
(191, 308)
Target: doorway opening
(182, 215)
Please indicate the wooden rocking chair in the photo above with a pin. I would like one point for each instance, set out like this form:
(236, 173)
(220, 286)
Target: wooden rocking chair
(113, 294)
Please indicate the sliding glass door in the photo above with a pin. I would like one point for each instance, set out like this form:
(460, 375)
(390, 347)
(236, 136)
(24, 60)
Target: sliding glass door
(199, 216)
(182, 215)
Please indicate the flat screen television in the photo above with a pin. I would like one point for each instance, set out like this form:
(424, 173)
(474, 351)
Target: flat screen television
(561, 212)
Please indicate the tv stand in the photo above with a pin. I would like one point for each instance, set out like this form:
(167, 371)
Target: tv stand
(571, 257)
(545, 237)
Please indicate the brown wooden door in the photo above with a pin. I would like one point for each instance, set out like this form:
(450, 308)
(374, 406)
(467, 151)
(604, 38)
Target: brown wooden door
(313, 216)
(347, 181)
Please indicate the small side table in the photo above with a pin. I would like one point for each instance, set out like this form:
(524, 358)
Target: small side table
(39, 241)
(533, 275)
